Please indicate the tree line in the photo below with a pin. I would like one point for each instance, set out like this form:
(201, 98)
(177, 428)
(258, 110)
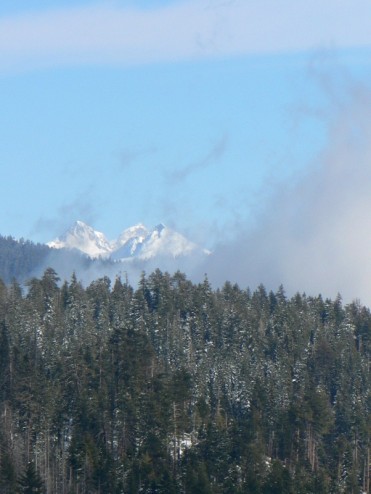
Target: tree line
(176, 387)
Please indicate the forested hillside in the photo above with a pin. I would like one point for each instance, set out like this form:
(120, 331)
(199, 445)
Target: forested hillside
(175, 387)
(19, 258)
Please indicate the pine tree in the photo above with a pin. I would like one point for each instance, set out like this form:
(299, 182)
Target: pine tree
(7, 474)
(31, 482)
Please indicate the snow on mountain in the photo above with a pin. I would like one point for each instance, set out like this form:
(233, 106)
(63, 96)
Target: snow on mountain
(129, 242)
(136, 242)
(140, 243)
(163, 241)
(83, 238)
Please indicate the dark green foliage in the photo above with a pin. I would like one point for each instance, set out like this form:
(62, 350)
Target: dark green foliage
(7, 474)
(278, 480)
(18, 259)
(30, 482)
(21, 259)
(174, 387)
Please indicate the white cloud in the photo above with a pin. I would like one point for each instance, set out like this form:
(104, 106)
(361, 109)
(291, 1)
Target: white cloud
(315, 236)
(195, 29)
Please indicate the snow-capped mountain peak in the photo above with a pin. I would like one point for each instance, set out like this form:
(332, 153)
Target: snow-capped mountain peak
(84, 238)
(163, 241)
(136, 242)
(138, 232)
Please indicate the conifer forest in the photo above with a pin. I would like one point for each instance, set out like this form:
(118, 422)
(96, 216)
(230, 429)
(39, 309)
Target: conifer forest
(174, 387)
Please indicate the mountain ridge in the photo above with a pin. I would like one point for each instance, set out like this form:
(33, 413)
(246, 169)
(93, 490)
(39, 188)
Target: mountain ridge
(135, 242)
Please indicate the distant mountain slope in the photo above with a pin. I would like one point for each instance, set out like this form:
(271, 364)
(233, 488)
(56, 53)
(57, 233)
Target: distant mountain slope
(23, 259)
(19, 258)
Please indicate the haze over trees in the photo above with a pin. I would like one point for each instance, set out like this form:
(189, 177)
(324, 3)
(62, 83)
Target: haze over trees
(23, 259)
(176, 387)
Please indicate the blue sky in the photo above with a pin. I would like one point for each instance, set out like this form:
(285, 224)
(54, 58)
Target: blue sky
(193, 113)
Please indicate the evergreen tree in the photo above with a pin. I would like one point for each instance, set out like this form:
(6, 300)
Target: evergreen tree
(30, 482)
(176, 387)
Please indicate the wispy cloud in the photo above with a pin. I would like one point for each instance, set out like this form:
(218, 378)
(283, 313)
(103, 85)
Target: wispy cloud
(186, 30)
(213, 156)
(129, 156)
